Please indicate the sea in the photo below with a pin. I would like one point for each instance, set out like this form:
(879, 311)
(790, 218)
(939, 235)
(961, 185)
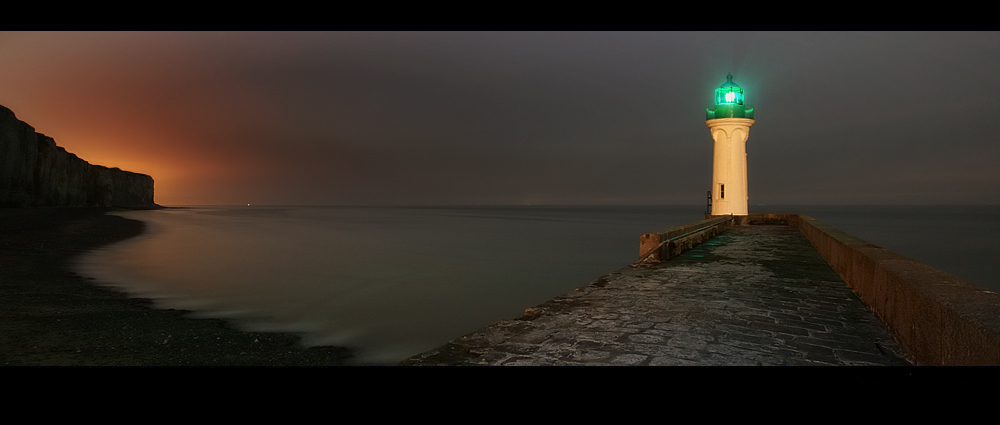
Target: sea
(392, 282)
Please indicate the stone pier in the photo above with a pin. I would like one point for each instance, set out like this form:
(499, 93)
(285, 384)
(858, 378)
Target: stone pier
(758, 295)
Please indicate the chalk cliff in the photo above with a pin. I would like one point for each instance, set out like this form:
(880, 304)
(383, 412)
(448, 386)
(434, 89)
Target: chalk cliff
(34, 172)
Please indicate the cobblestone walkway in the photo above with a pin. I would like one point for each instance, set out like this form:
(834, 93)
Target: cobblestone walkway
(752, 296)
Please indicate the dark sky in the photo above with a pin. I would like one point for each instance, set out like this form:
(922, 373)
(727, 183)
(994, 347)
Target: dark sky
(516, 117)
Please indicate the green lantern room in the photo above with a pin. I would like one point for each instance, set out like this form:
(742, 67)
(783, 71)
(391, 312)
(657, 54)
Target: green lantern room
(729, 102)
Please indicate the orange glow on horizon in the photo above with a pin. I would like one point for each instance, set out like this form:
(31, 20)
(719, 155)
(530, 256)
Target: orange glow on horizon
(181, 177)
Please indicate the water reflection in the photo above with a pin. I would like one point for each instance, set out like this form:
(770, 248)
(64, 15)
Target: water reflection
(390, 282)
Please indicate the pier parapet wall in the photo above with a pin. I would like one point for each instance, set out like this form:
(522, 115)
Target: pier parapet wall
(663, 244)
(938, 318)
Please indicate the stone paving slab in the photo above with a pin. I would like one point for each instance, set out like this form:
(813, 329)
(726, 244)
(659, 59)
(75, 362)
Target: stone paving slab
(752, 296)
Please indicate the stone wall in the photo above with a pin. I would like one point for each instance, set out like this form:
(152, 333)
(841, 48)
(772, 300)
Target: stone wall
(938, 318)
(34, 172)
(664, 244)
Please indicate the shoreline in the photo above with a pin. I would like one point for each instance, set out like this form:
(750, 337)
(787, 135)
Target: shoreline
(51, 316)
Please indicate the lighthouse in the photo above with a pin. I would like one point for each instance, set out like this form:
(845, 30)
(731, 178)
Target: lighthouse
(729, 121)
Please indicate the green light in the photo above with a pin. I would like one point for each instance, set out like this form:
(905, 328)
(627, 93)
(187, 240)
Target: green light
(729, 102)
(730, 93)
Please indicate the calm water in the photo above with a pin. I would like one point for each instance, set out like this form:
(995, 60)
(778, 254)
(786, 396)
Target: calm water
(389, 282)
(393, 282)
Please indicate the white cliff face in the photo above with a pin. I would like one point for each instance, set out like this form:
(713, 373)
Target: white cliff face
(36, 172)
(729, 168)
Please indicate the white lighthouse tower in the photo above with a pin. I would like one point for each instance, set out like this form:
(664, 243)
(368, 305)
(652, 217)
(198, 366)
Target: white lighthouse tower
(730, 123)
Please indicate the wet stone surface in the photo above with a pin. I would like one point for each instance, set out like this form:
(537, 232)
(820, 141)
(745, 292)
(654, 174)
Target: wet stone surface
(752, 296)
